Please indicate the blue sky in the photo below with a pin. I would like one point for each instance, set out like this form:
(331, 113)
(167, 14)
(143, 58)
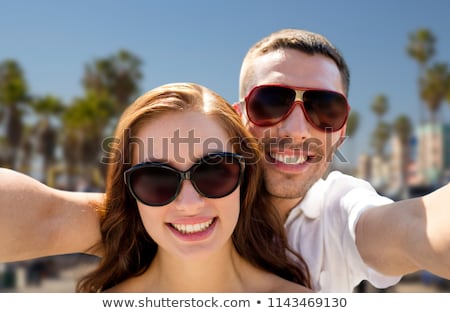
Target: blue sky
(204, 42)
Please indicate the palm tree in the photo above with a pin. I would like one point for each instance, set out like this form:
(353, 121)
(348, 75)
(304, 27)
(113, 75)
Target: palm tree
(115, 80)
(380, 137)
(380, 106)
(117, 75)
(421, 47)
(352, 123)
(434, 86)
(2, 155)
(13, 94)
(27, 150)
(433, 89)
(403, 129)
(352, 126)
(47, 134)
(447, 94)
(84, 124)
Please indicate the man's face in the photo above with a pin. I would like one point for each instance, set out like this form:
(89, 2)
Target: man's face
(296, 153)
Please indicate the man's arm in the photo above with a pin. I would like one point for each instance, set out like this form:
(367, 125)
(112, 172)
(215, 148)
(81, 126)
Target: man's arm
(407, 236)
(36, 220)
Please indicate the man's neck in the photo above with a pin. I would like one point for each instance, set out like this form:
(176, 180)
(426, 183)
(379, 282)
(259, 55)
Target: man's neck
(284, 205)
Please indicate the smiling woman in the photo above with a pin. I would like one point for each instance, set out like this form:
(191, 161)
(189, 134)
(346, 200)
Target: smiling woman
(182, 215)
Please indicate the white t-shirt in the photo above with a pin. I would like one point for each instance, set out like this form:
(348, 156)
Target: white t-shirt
(322, 229)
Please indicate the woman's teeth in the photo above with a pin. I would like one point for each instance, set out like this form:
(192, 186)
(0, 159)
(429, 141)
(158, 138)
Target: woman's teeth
(192, 228)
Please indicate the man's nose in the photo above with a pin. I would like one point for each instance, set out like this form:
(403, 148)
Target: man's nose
(295, 125)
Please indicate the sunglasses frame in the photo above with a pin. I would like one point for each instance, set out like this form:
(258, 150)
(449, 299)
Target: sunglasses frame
(184, 175)
(299, 91)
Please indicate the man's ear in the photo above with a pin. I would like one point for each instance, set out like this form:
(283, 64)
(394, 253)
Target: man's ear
(237, 107)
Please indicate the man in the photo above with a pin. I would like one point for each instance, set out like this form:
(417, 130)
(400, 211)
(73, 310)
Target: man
(299, 140)
(293, 89)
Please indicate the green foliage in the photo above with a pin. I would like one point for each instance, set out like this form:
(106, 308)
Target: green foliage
(48, 105)
(380, 136)
(117, 75)
(447, 94)
(380, 105)
(352, 123)
(434, 81)
(110, 84)
(89, 113)
(421, 45)
(403, 128)
(13, 97)
(434, 86)
(13, 87)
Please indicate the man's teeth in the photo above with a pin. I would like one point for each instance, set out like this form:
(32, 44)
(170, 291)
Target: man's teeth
(289, 159)
(192, 228)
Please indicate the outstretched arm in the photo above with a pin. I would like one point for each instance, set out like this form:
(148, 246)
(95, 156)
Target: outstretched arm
(407, 236)
(36, 220)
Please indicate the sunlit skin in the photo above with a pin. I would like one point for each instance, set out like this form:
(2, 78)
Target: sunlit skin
(295, 137)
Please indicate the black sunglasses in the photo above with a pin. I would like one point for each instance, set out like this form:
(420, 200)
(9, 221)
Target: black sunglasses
(215, 175)
(267, 105)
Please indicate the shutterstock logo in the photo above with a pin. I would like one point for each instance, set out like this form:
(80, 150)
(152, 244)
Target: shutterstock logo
(181, 149)
(313, 148)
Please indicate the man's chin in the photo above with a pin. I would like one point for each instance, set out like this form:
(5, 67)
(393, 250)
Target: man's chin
(290, 185)
(284, 188)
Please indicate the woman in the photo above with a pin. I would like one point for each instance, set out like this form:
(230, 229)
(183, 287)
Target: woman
(213, 233)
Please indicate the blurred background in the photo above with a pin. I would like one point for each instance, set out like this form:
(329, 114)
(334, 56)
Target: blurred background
(68, 69)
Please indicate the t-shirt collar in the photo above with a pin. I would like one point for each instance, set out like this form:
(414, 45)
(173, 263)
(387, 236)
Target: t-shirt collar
(311, 205)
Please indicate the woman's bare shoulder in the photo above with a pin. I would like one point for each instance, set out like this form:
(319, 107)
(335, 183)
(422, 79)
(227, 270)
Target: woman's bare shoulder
(286, 286)
(272, 283)
(291, 287)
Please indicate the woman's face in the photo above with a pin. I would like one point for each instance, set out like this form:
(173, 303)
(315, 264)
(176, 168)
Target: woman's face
(191, 225)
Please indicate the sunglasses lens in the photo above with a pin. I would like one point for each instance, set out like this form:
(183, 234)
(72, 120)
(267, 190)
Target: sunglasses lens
(154, 185)
(217, 176)
(325, 109)
(268, 105)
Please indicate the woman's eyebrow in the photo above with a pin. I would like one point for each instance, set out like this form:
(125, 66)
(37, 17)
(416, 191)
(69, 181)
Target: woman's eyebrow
(172, 162)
